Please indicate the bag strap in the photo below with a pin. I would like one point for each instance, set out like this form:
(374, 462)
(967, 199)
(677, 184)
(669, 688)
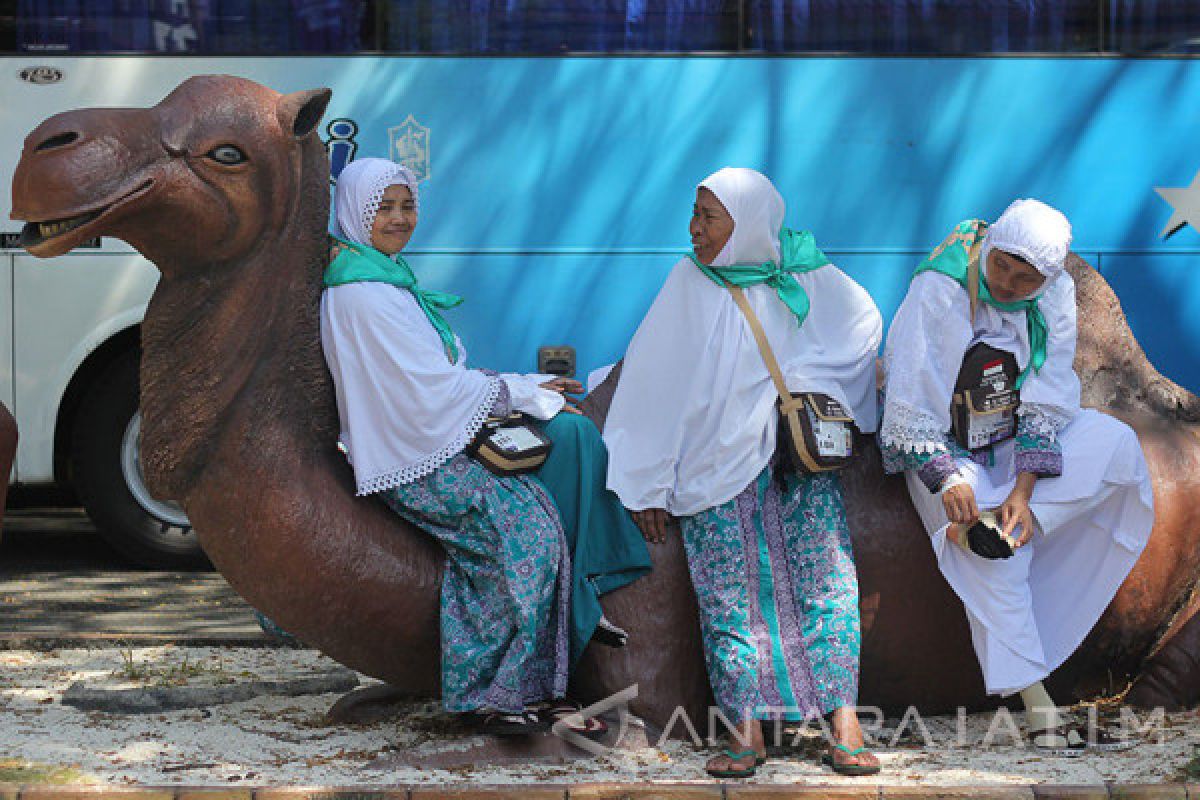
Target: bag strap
(973, 275)
(764, 346)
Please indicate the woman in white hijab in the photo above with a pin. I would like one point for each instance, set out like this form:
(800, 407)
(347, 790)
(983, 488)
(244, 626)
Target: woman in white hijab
(1069, 486)
(409, 406)
(691, 434)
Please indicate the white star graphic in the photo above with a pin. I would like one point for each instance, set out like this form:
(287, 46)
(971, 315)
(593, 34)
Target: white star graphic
(1186, 205)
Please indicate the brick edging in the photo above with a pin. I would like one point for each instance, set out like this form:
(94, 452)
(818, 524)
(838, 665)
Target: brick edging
(612, 791)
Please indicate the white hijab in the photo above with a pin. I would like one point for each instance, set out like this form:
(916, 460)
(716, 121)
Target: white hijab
(693, 419)
(360, 189)
(933, 329)
(404, 408)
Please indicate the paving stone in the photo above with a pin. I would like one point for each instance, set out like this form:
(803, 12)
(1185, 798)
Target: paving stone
(807, 792)
(958, 792)
(156, 699)
(1049, 791)
(490, 793)
(618, 791)
(214, 794)
(330, 793)
(1147, 791)
(94, 793)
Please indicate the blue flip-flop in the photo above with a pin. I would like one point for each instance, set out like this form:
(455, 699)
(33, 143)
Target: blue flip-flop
(747, 772)
(850, 770)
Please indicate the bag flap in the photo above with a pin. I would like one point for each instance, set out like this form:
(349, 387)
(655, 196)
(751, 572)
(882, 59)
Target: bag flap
(826, 408)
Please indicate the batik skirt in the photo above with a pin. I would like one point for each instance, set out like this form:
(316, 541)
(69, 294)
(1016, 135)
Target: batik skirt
(774, 576)
(504, 600)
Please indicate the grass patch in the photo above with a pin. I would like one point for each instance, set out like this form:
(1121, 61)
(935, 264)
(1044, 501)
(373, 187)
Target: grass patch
(175, 674)
(15, 770)
(1191, 770)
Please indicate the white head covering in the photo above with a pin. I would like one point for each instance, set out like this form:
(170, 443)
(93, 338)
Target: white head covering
(360, 188)
(693, 419)
(757, 209)
(404, 408)
(1034, 231)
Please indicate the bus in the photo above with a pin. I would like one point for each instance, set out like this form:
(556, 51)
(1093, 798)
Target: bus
(559, 142)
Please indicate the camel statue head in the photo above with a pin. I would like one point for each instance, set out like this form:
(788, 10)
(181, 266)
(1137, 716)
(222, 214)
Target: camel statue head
(190, 183)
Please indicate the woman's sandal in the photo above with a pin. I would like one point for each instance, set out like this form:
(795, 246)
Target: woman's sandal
(1068, 750)
(1108, 743)
(566, 712)
(506, 723)
(850, 770)
(745, 772)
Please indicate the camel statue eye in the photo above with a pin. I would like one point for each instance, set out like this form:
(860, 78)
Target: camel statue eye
(227, 154)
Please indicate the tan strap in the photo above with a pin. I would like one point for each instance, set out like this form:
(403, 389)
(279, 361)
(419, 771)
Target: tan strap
(764, 346)
(973, 275)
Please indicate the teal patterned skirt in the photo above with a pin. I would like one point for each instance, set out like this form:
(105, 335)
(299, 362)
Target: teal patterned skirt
(504, 598)
(775, 580)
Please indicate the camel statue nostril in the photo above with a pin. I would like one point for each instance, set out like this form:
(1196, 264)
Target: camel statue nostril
(57, 140)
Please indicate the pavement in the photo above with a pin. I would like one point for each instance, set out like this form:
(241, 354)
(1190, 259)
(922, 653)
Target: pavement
(62, 586)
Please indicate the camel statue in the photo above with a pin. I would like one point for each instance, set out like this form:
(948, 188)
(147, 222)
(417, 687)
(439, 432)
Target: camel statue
(224, 186)
(8, 450)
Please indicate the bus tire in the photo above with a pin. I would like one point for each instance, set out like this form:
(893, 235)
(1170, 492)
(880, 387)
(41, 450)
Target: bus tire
(107, 476)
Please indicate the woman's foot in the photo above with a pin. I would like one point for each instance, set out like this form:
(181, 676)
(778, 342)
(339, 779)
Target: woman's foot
(505, 723)
(746, 754)
(1061, 740)
(566, 712)
(608, 634)
(848, 754)
(735, 763)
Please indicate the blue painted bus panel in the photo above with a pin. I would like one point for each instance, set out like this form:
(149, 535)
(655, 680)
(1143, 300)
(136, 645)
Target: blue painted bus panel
(1159, 295)
(587, 163)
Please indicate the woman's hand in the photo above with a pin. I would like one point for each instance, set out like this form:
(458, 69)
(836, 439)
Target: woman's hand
(959, 502)
(566, 387)
(1015, 510)
(653, 523)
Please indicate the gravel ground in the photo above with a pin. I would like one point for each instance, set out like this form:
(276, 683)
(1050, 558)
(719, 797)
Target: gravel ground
(288, 740)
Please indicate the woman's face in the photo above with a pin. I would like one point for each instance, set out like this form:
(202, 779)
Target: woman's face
(395, 221)
(711, 226)
(1010, 277)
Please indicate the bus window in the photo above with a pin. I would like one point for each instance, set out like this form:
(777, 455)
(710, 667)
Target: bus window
(588, 26)
(211, 27)
(1154, 26)
(928, 27)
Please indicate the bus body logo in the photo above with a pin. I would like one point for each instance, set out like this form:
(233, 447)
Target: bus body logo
(1185, 207)
(41, 76)
(340, 145)
(408, 144)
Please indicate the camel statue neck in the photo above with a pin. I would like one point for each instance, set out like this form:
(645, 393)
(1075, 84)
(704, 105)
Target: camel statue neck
(239, 345)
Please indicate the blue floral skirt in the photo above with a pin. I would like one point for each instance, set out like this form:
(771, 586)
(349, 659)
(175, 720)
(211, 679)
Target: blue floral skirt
(504, 598)
(774, 576)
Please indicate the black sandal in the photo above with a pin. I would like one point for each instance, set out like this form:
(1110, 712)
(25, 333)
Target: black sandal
(566, 712)
(506, 723)
(1068, 750)
(1105, 741)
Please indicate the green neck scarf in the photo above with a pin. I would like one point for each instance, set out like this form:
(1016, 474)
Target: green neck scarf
(357, 263)
(798, 252)
(951, 259)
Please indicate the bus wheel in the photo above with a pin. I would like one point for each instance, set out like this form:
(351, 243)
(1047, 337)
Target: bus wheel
(107, 474)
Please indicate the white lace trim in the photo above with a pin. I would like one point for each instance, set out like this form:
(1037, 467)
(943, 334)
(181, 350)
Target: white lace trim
(1043, 420)
(911, 430)
(431, 462)
(380, 184)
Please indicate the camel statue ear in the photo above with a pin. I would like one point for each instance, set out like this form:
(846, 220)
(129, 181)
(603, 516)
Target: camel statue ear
(299, 112)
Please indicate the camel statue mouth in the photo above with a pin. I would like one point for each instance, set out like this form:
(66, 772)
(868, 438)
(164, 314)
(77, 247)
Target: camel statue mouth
(52, 237)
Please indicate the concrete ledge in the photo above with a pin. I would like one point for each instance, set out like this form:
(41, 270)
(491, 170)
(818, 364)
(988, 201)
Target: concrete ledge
(610, 791)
